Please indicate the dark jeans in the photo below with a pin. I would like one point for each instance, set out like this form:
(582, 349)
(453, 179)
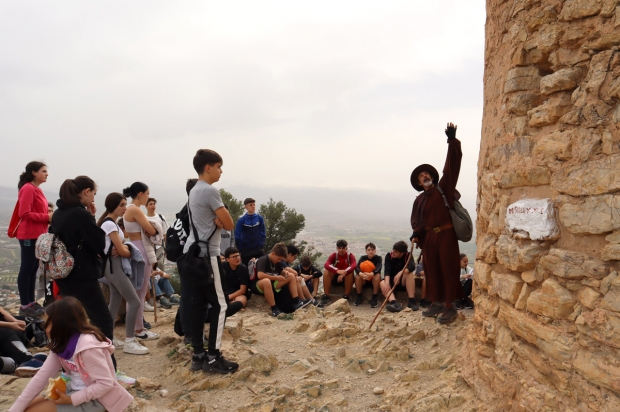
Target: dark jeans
(201, 295)
(467, 285)
(246, 255)
(90, 295)
(27, 278)
(185, 306)
(12, 345)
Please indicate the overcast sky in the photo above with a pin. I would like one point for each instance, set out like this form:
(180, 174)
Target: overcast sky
(336, 95)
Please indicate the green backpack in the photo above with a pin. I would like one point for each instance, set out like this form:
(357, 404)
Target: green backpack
(460, 219)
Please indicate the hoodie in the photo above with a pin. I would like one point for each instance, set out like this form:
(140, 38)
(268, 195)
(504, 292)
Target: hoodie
(250, 232)
(32, 211)
(94, 362)
(85, 241)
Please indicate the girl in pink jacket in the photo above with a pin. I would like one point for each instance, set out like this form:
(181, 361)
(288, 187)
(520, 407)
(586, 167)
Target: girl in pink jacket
(34, 219)
(84, 352)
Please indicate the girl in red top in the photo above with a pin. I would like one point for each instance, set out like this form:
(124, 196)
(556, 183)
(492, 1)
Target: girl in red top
(33, 221)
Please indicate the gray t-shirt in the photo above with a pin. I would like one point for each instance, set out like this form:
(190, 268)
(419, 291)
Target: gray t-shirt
(204, 200)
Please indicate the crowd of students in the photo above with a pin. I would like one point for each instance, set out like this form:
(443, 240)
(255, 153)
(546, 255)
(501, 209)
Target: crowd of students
(123, 253)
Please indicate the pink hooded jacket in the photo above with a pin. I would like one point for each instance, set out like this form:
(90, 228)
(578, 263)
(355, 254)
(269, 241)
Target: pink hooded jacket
(33, 213)
(94, 364)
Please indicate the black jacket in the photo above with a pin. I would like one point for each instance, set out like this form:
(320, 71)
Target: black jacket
(85, 241)
(393, 266)
(376, 260)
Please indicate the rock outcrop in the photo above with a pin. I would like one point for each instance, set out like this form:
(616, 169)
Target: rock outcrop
(546, 332)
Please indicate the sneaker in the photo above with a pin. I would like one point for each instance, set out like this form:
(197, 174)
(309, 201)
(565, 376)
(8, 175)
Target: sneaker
(468, 303)
(219, 364)
(147, 335)
(299, 305)
(345, 297)
(146, 324)
(448, 315)
(148, 307)
(40, 357)
(373, 302)
(31, 311)
(306, 302)
(325, 299)
(434, 310)
(393, 307)
(414, 306)
(164, 303)
(358, 299)
(197, 362)
(127, 380)
(117, 343)
(7, 365)
(29, 368)
(175, 300)
(134, 348)
(276, 312)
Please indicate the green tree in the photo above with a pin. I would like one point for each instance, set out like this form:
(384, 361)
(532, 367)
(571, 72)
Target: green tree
(282, 224)
(304, 249)
(235, 206)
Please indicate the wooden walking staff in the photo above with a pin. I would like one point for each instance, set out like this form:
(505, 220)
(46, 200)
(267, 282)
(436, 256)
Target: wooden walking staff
(393, 287)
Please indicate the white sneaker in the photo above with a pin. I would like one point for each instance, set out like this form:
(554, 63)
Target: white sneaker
(148, 307)
(147, 335)
(117, 343)
(134, 348)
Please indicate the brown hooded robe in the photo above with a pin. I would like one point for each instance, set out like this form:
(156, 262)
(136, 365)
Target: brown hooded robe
(440, 251)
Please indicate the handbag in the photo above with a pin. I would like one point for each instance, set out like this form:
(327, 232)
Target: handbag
(461, 220)
(14, 222)
(191, 264)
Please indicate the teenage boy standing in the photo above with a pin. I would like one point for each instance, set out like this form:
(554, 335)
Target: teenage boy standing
(368, 270)
(250, 233)
(207, 213)
(338, 269)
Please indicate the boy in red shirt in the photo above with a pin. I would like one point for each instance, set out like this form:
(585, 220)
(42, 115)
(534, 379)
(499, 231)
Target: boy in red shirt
(339, 269)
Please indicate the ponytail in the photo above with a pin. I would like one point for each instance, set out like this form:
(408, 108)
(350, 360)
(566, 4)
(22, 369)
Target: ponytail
(135, 189)
(27, 176)
(112, 201)
(72, 188)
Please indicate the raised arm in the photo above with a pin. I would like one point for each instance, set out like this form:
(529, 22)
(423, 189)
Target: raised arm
(452, 166)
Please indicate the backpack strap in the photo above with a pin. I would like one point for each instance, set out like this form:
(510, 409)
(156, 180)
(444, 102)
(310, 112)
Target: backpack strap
(195, 231)
(445, 201)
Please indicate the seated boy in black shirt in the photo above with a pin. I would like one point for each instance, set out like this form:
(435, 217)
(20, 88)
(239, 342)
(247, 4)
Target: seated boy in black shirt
(310, 274)
(236, 284)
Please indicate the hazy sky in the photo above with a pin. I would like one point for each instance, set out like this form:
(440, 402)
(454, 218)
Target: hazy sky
(342, 95)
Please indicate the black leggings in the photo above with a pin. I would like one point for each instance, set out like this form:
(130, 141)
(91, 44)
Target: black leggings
(27, 277)
(89, 293)
(467, 286)
(13, 346)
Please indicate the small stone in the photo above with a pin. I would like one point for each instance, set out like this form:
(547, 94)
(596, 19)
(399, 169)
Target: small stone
(341, 352)
(371, 371)
(285, 390)
(378, 391)
(163, 393)
(291, 351)
(268, 407)
(383, 367)
(147, 384)
(314, 391)
(341, 305)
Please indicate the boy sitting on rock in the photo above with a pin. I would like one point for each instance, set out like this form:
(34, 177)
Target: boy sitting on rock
(274, 282)
(339, 269)
(395, 272)
(368, 270)
(237, 277)
(310, 274)
(302, 289)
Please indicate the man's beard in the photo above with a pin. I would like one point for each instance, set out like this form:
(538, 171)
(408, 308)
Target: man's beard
(427, 183)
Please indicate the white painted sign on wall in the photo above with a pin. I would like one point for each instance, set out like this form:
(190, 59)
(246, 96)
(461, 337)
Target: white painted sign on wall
(533, 219)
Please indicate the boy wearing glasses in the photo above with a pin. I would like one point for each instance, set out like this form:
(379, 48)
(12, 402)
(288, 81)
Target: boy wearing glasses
(236, 284)
(338, 270)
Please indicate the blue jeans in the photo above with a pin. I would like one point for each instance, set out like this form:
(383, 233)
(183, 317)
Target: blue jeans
(27, 277)
(163, 287)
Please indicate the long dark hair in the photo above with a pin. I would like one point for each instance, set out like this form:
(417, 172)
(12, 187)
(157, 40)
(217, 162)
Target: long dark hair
(67, 317)
(27, 176)
(135, 189)
(71, 189)
(112, 201)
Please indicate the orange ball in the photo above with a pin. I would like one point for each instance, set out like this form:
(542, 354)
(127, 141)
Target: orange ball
(367, 266)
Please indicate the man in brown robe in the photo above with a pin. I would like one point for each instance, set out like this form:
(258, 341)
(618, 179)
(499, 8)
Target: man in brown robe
(434, 233)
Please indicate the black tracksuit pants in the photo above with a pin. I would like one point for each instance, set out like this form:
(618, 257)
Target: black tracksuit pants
(13, 345)
(202, 294)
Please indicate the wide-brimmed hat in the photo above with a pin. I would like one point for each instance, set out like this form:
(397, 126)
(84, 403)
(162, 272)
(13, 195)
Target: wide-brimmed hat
(423, 168)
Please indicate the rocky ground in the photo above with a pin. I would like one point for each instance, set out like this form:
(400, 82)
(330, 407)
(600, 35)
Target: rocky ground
(314, 360)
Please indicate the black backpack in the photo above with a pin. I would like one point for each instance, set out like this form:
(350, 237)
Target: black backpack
(176, 236)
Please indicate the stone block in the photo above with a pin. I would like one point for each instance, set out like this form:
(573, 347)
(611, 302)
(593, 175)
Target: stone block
(611, 301)
(534, 276)
(611, 252)
(588, 297)
(578, 9)
(594, 215)
(573, 265)
(519, 255)
(599, 367)
(522, 78)
(606, 41)
(526, 290)
(546, 39)
(533, 218)
(564, 79)
(488, 305)
(520, 103)
(526, 176)
(607, 281)
(551, 300)
(482, 274)
(506, 286)
(602, 325)
(595, 177)
(551, 110)
(556, 145)
(486, 249)
(567, 57)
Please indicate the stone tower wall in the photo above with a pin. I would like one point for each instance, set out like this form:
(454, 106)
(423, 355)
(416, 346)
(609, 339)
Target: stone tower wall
(546, 333)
